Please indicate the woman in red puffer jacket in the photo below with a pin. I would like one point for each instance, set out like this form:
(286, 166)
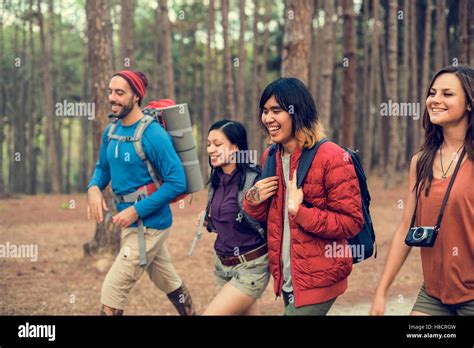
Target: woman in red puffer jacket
(307, 228)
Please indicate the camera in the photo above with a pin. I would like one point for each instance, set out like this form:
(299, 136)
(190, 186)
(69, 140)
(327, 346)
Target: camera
(423, 236)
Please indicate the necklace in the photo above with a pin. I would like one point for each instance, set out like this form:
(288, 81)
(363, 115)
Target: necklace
(443, 173)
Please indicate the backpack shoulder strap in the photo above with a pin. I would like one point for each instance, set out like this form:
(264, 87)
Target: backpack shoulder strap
(142, 126)
(306, 160)
(269, 169)
(112, 128)
(210, 195)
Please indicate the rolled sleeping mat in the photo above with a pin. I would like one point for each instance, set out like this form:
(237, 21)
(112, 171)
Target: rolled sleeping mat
(178, 124)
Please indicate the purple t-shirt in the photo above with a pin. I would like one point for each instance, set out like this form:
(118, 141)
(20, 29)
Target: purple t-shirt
(233, 237)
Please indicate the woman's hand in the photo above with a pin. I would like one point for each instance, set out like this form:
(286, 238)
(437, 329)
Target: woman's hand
(262, 190)
(295, 196)
(199, 219)
(378, 304)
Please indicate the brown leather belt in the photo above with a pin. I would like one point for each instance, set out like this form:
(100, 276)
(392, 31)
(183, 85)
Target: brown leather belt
(248, 256)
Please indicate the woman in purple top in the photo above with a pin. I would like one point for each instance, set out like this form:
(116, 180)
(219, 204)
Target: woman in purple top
(241, 265)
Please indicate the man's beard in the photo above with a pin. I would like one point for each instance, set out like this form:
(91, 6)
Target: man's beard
(126, 109)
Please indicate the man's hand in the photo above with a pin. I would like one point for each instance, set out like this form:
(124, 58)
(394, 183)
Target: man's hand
(95, 204)
(295, 196)
(126, 217)
(262, 190)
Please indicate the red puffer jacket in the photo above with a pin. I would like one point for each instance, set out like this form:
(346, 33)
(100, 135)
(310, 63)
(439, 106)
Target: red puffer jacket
(330, 214)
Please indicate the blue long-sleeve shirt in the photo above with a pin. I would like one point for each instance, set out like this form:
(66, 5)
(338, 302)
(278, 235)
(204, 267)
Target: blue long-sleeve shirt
(128, 172)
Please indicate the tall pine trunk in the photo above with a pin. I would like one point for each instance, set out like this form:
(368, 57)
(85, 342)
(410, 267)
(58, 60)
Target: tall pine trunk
(297, 39)
(327, 62)
(107, 237)
(127, 28)
(392, 91)
(255, 138)
(240, 67)
(168, 68)
(349, 75)
(55, 174)
(228, 81)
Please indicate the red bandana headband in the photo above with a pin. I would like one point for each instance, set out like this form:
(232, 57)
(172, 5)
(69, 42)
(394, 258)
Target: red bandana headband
(135, 81)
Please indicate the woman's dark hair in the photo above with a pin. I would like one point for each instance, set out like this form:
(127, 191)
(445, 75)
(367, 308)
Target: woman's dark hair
(294, 97)
(434, 133)
(235, 132)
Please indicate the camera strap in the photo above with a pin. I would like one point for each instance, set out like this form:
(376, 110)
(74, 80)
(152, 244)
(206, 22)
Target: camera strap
(446, 195)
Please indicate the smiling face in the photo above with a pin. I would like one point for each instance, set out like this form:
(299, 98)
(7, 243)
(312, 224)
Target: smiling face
(277, 121)
(446, 102)
(121, 97)
(219, 148)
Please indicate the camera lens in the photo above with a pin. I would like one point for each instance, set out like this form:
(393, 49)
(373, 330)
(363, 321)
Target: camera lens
(419, 233)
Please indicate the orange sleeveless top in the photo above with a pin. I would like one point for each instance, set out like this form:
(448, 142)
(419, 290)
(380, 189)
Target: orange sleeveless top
(448, 267)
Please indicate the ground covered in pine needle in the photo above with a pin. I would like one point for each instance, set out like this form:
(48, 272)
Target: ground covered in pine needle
(64, 282)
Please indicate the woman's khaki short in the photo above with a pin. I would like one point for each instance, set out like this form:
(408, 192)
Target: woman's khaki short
(431, 305)
(251, 284)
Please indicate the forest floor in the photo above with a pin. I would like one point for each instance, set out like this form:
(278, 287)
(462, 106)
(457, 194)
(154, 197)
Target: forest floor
(64, 282)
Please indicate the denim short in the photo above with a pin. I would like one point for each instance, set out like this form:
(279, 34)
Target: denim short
(431, 305)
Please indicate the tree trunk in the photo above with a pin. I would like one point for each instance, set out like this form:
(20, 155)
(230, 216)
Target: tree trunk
(365, 115)
(49, 109)
(240, 66)
(207, 92)
(263, 80)
(20, 118)
(425, 70)
(413, 124)
(3, 105)
(327, 62)
(84, 126)
(471, 35)
(349, 75)
(167, 51)
(69, 155)
(441, 47)
(127, 28)
(463, 32)
(315, 55)
(217, 82)
(376, 83)
(55, 78)
(392, 95)
(228, 81)
(107, 237)
(255, 138)
(297, 39)
(404, 87)
(110, 28)
(156, 72)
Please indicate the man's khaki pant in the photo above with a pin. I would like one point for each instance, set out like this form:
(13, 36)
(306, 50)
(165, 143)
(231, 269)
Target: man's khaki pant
(125, 271)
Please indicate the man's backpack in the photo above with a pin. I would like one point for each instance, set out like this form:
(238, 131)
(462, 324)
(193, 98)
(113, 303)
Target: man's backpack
(180, 131)
(365, 239)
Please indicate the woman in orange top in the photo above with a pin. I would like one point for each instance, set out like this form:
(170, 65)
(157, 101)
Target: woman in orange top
(448, 266)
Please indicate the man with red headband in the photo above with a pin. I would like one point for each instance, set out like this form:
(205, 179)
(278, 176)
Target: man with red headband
(150, 214)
